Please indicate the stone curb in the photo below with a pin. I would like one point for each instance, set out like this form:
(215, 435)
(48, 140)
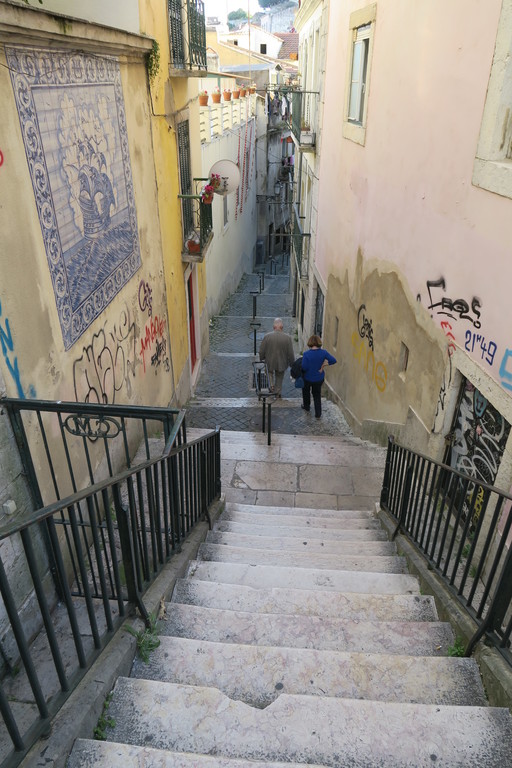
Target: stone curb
(496, 673)
(79, 715)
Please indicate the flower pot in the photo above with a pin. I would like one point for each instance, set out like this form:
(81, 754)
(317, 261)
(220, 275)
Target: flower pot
(216, 98)
(193, 246)
(242, 91)
(207, 199)
(203, 99)
(227, 96)
(236, 94)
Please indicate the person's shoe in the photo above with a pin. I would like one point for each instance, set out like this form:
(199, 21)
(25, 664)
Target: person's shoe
(305, 409)
(318, 415)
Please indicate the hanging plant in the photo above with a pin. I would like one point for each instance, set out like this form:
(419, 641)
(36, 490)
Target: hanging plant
(153, 61)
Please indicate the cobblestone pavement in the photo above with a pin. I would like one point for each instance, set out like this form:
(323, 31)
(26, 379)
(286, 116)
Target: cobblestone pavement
(224, 395)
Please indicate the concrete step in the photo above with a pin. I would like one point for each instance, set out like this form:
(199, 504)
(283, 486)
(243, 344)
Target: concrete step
(371, 532)
(303, 578)
(263, 510)
(310, 729)
(337, 605)
(345, 562)
(258, 675)
(392, 637)
(108, 754)
(298, 521)
(302, 544)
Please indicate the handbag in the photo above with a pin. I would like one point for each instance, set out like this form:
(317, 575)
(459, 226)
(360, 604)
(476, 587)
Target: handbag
(299, 383)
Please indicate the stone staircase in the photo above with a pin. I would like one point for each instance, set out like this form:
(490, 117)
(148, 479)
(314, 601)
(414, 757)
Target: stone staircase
(298, 637)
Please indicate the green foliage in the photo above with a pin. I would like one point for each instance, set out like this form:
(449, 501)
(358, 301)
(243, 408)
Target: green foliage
(270, 3)
(147, 638)
(153, 61)
(473, 571)
(465, 550)
(457, 649)
(104, 722)
(235, 15)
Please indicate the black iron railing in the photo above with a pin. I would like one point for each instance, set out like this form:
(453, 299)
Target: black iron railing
(187, 32)
(197, 224)
(303, 120)
(300, 245)
(81, 561)
(463, 527)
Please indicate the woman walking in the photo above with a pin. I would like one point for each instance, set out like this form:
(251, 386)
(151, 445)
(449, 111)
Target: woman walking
(314, 361)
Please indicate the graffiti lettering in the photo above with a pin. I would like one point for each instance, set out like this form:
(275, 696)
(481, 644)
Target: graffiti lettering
(145, 297)
(153, 331)
(447, 328)
(506, 375)
(447, 380)
(11, 361)
(107, 364)
(457, 309)
(364, 326)
(159, 357)
(1, 158)
(477, 339)
(379, 374)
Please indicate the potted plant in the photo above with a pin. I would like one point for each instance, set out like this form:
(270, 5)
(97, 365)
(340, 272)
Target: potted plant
(227, 94)
(216, 95)
(236, 93)
(203, 98)
(207, 194)
(242, 91)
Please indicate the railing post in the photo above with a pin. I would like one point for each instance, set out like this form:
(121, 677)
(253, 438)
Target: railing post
(263, 415)
(384, 494)
(127, 552)
(405, 500)
(269, 431)
(254, 295)
(499, 606)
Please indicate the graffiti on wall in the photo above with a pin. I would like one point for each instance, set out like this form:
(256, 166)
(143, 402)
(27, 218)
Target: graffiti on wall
(481, 346)
(365, 325)
(153, 344)
(72, 117)
(479, 436)
(362, 342)
(145, 297)
(108, 364)
(10, 357)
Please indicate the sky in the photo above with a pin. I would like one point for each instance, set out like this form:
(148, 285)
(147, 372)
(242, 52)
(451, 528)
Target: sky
(221, 8)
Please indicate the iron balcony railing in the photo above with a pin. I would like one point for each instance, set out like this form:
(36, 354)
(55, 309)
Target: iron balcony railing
(187, 32)
(300, 245)
(303, 118)
(197, 217)
(70, 571)
(463, 527)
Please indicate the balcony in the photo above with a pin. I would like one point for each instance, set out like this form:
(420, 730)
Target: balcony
(300, 246)
(304, 118)
(197, 220)
(187, 33)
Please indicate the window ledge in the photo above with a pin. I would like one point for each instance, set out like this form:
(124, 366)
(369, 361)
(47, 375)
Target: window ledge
(353, 132)
(493, 175)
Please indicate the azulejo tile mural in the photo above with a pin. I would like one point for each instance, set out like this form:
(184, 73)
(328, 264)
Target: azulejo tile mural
(73, 122)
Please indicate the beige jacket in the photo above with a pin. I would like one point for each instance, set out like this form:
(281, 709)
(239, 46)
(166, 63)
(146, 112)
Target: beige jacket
(276, 350)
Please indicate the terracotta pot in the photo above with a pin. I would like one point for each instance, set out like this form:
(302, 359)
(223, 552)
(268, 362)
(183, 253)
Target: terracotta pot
(216, 98)
(203, 99)
(242, 91)
(227, 96)
(193, 246)
(207, 199)
(236, 94)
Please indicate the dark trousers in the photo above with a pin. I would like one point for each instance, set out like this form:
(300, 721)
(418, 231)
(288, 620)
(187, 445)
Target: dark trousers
(314, 387)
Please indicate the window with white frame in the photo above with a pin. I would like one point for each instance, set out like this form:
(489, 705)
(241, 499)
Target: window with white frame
(492, 168)
(362, 25)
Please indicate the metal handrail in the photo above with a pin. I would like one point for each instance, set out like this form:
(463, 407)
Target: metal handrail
(461, 525)
(105, 545)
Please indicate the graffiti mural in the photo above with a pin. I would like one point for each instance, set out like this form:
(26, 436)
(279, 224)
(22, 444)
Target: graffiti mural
(107, 364)
(73, 122)
(479, 436)
(10, 357)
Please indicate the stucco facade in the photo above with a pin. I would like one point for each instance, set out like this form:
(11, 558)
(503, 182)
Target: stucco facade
(410, 246)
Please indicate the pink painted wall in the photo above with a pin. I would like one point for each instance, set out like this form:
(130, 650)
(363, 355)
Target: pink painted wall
(406, 197)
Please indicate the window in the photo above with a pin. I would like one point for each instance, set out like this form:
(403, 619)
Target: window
(225, 209)
(362, 24)
(492, 169)
(185, 176)
(263, 47)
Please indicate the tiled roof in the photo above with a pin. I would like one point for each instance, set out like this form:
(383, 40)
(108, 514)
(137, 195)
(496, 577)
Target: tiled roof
(290, 46)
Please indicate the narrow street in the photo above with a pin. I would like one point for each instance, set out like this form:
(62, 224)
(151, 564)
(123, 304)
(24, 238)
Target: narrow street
(225, 396)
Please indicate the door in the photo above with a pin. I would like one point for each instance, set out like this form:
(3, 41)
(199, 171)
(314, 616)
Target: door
(191, 322)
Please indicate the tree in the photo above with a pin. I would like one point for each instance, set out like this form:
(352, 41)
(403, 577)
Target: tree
(236, 15)
(269, 3)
